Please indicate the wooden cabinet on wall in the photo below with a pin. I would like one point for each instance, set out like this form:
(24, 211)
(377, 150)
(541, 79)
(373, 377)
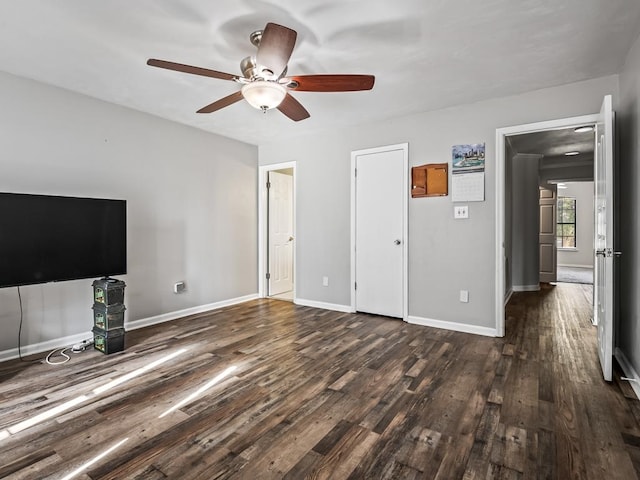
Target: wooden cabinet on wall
(431, 180)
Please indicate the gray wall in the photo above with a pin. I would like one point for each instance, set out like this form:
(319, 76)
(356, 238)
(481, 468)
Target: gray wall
(583, 255)
(628, 122)
(525, 258)
(192, 204)
(446, 255)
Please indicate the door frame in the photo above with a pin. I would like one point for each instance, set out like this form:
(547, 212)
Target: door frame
(263, 216)
(501, 135)
(404, 147)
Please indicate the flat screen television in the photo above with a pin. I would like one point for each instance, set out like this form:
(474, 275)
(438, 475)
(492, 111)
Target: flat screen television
(45, 238)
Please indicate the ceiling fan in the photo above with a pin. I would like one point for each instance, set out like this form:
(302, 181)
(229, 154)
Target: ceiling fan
(264, 80)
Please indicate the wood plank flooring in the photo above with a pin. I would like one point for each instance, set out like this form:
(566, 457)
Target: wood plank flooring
(271, 390)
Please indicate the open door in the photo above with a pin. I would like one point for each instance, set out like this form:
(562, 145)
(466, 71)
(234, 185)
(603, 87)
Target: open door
(280, 228)
(547, 235)
(603, 314)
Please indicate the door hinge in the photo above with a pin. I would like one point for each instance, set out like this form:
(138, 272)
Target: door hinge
(356, 173)
(268, 276)
(355, 285)
(268, 184)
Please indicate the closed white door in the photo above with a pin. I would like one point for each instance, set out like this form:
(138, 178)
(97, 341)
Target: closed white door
(280, 233)
(604, 254)
(379, 232)
(547, 235)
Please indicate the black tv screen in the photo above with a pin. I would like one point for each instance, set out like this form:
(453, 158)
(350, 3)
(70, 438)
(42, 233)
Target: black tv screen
(45, 238)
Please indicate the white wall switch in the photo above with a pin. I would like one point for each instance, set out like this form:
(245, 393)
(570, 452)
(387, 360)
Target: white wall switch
(464, 296)
(461, 211)
(325, 281)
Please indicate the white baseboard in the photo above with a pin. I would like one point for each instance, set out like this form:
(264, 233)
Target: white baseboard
(526, 288)
(574, 265)
(166, 317)
(47, 346)
(456, 327)
(628, 370)
(508, 296)
(62, 342)
(325, 306)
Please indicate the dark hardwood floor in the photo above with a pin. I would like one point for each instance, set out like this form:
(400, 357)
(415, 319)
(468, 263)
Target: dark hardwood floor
(268, 389)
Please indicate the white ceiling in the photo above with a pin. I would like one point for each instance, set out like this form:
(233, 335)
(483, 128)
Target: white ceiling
(425, 54)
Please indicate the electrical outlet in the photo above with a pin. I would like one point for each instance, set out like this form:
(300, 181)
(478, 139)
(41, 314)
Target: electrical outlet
(179, 287)
(464, 296)
(461, 211)
(325, 281)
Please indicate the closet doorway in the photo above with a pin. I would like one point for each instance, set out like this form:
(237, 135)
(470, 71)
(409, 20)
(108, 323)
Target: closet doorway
(277, 231)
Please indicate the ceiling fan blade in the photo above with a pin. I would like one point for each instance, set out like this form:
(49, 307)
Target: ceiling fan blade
(293, 109)
(333, 83)
(276, 46)
(223, 102)
(179, 67)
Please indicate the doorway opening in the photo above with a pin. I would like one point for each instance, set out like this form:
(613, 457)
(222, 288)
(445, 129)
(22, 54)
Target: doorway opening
(576, 232)
(549, 207)
(535, 171)
(276, 226)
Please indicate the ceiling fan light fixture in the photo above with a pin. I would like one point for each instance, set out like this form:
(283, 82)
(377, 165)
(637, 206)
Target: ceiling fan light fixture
(264, 95)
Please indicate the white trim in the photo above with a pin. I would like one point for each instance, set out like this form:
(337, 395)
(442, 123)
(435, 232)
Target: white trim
(508, 296)
(628, 370)
(501, 135)
(454, 326)
(526, 288)
(405, 213)
(166, 317)
(325, 306)
(46, 346)
(572, 265)
(62, 342)
(263, 214)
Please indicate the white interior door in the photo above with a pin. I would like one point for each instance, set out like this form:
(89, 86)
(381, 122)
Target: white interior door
(547, 235)
(603, 314)
(280, 233)
(379, 232)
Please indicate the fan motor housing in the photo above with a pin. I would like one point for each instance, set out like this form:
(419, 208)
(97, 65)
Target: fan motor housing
(248, 67)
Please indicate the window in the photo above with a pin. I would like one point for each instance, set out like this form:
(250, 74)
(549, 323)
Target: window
(566, 227)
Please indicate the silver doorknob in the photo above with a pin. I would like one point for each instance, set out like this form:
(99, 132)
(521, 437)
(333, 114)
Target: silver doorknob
(291, 239)
(397, 242)
(601, 253)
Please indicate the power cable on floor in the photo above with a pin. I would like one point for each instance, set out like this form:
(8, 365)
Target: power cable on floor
(81, 347)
